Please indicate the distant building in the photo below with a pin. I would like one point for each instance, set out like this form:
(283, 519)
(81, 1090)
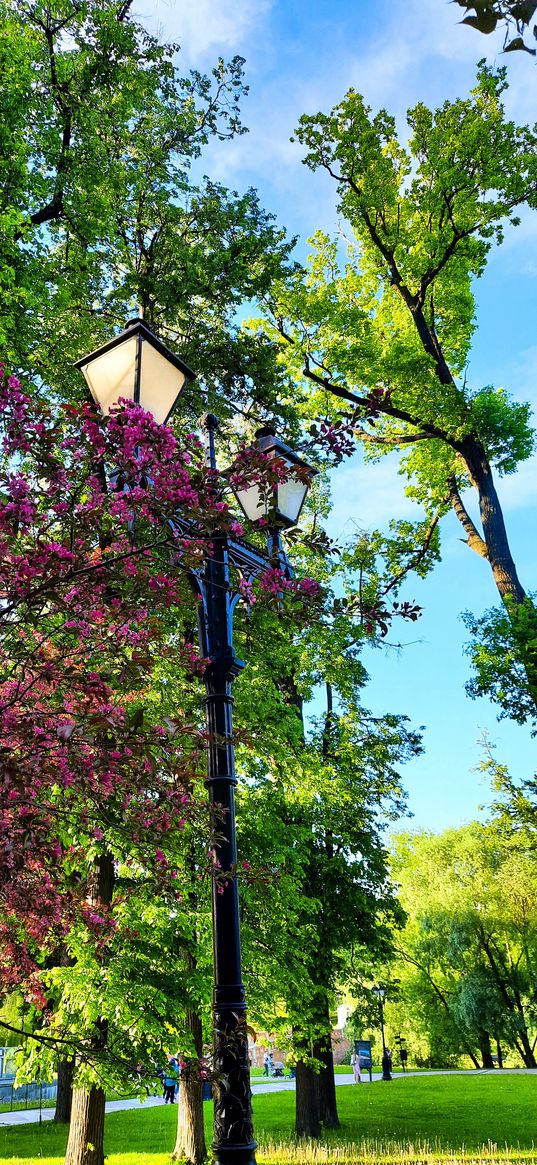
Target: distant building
(343, 1013)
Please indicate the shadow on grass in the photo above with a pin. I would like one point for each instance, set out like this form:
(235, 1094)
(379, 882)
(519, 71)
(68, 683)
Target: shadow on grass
(410, 1121)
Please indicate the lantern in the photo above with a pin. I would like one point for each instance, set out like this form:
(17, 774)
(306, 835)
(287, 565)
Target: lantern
(136, 366)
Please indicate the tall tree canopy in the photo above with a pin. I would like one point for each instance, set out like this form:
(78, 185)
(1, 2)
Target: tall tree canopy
(375, 335)
(99, 212)
(315, 798)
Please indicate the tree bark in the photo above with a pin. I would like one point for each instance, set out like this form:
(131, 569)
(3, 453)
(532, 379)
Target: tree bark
(326, 1082)
(86, 1131)
(492, 520)
(528, 1054)
(486, 1050)
(190, 1140)
(64, 1095)
(307, 1120)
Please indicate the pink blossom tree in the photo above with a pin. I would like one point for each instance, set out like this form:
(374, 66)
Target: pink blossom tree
(97, 782)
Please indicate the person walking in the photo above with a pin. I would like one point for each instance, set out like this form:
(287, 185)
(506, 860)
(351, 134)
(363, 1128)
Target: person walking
(171, 1076)
(355, 1062)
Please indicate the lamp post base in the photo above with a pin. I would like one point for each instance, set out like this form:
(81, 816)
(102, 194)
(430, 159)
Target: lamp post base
(234, 1154)
(233, 1140)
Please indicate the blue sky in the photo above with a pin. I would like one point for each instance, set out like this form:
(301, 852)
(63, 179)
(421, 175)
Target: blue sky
(302, 57)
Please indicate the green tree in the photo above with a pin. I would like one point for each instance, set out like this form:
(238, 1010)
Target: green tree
(99, 213)
(469, 943)
(100, 216)
(313, 804)
(377, 340)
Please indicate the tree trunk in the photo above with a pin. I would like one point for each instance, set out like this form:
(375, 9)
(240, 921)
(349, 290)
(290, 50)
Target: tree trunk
(86, 1132)
(64, 1095)
(528, 1054)
(492, 520)
(514, 1007)
(326, 1081)
(494, 547)
(190, 1140)
(327, 1089)
(307, 1120)
(486, 1050)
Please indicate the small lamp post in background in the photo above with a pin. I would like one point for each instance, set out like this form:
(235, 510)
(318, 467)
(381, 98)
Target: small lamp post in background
(403, 1054)
(379, 993)
(136, 366)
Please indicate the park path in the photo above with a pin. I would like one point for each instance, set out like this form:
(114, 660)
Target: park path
(32, 1115)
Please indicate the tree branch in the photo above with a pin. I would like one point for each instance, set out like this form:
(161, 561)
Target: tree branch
(474, 539)
(416, 558)
(396, 440)
(383, 406)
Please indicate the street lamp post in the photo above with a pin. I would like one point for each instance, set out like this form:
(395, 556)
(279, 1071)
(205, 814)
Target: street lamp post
(403, 1054)
(379, 993)
(127, 367)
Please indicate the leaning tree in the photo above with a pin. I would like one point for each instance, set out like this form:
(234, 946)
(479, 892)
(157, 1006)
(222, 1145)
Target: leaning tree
(375, 334)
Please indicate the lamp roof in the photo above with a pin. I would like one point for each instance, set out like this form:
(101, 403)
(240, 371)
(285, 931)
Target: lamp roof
(268, 442)
(134, 328)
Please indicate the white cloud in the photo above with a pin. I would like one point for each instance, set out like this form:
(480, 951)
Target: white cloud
(205, 26)
(368, 496)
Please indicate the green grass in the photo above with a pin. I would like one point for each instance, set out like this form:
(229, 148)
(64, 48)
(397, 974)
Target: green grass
(257, 1077)
(453, 1111)
(23, 1106)
(408, 1122)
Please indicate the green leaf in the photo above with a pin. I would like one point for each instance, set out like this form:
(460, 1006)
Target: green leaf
(523, 10)
(485, 23)
(517, 45)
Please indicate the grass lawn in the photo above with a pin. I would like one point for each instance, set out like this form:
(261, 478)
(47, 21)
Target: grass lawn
(257, 1077)
(408, 1122)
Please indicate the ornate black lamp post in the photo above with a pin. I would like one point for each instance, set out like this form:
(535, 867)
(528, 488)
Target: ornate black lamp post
(379, 993)
(136, 366)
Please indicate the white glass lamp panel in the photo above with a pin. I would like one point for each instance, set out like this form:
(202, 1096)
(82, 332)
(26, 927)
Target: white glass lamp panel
(160, 383)
(291, 494)
(111, 376)
(254, 501)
